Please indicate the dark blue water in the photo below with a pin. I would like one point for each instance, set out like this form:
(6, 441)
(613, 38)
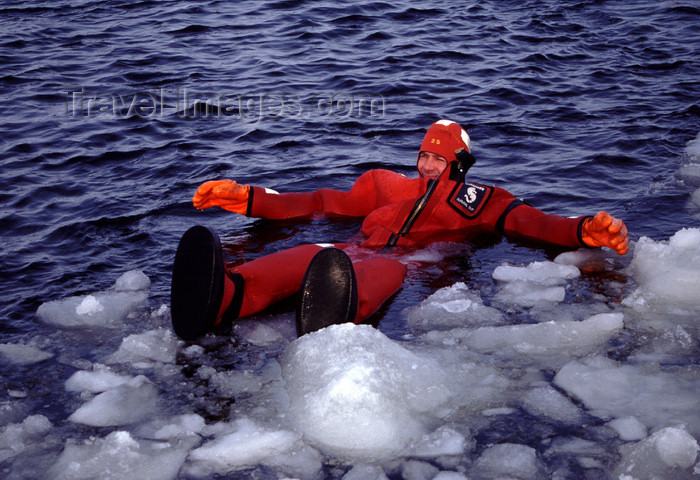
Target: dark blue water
(113, 112)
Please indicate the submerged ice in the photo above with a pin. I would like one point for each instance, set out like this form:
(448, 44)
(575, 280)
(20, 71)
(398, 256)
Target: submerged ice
(596, 390)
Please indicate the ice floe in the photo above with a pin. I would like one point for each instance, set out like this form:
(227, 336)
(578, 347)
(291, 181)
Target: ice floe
(102, 309)
(609, 385)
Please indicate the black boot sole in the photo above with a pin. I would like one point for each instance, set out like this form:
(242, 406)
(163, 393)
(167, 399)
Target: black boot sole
(328, 294)
(197, 287)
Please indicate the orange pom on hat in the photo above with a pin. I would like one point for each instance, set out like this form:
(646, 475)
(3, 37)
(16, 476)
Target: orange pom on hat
(444, 138)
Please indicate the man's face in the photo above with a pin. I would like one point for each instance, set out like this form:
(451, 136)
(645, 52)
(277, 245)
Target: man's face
(431, 165)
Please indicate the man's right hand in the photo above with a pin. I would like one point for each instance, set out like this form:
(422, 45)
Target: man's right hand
(226, 194)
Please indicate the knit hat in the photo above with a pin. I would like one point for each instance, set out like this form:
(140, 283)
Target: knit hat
(444, 138)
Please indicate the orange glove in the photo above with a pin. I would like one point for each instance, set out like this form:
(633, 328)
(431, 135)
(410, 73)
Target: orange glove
(226, 194)
(604, 230)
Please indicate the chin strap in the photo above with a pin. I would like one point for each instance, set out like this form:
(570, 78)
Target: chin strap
(458, 169)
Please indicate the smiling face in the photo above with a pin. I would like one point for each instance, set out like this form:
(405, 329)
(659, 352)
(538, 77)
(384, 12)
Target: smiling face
(439, 148)
(431, 165)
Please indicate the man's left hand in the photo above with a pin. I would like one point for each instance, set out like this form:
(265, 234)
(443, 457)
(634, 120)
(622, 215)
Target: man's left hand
(604, 230)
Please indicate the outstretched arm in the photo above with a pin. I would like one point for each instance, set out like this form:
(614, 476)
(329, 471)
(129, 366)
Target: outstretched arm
(528, 223)
(371, 190)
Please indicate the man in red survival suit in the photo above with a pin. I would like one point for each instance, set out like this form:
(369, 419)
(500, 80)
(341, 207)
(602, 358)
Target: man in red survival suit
(439, 205)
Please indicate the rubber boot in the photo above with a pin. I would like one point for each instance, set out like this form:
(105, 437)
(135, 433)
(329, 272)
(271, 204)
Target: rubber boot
(272, 278)
(198, 283)
(328, 293)
(377, 279)
(335, 290)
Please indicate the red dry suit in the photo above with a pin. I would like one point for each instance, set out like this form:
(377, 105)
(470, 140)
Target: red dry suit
(407, 212)
(397, 211)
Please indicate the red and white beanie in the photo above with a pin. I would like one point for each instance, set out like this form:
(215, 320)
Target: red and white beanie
(444, 138)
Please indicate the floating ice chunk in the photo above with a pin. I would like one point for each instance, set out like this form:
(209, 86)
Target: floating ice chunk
(444, 441)
(264, 335)
(536, 283)
(16, 438)
(545, 339)
(193, 351)
(161, 311)
(186, 425)
(101, 309)
(132, 281)
(628, 428)
(17, 393)
(433, 253)
(542, 273)
(355, 393)
(507, 460)
(693, 149)
(119, 456)
(365, 472)
(270, 331)
(415, 470)
(668, 272)
(582, 257)
(159, 345)
(97, 381)
(424, 256)
(303, 463)
(669, 453)
(611, 390)
(577, 446)
(695, 198)
(546, 402)
(22, 354)
(126, 404)
(250, 444)
(690, 173)
(247, 445)
(453, 306)
(444, 475)
(529, 294)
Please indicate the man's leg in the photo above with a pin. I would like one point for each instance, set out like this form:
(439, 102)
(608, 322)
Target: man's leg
(204, 291)
(377, 279)
(335, 290)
